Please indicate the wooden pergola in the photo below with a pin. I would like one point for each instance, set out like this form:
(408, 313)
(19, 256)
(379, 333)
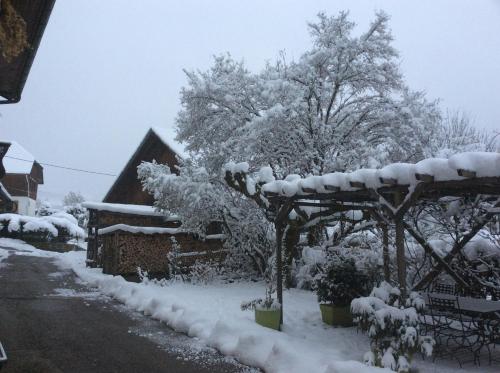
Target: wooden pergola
(387, 206)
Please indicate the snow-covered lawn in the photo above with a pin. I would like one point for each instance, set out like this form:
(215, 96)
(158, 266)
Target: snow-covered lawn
(211, 313)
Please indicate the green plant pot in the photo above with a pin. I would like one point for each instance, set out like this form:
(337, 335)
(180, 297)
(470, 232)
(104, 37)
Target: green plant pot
(268, 318)
(336, 315)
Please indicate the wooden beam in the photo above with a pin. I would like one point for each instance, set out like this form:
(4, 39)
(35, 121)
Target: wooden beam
(279, 225)
(279, 268)
(308, 190)
(466, 173)
(400, 255)
(385, 255)
(388, 181)
(481, 222)
(436, 257)
(341, 206)
(332, 188)
(357, 184)
(424, 177)
(271, 194)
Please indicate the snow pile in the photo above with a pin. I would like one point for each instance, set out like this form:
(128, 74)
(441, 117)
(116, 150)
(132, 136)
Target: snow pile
(127, 209)
(484, 164)
(438, 168)
(143, 230)
(51, 225)
(235, 168)
(212, 314)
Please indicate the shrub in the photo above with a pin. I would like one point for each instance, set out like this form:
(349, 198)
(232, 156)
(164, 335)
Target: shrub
(339, 281)
(394, 328)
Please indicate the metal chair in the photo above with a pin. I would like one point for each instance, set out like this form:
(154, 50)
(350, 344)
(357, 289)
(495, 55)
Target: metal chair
(453, 331)
(495, 293)
(442, 288)
(490, 336)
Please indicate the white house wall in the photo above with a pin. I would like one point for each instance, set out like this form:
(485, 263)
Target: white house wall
(25, 205)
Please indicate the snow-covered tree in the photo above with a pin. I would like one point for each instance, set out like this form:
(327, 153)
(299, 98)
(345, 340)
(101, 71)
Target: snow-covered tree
(342, 105)
(201, 198)
(72, 204)
(73, 198)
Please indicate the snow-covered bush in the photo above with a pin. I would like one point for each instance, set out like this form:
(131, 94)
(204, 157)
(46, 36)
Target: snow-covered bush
(44, 208)
(267, 303)
(339, 281)
(394, 328)
(309, 265)
(72, 204)
(59, 226)
(204, 272)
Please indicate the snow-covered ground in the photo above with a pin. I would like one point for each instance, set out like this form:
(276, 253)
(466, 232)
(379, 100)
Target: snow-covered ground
(212, 315)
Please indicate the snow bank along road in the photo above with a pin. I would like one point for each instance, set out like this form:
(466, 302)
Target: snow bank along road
(48, 325)
(210, 314)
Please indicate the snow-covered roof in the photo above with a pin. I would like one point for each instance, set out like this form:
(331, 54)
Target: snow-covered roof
(167, 136)
(126, 209)
(457, 167)
(18, 160)
(143, 230)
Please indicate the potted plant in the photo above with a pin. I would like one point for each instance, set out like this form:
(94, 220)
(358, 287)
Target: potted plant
(267, 310)
(337, 284)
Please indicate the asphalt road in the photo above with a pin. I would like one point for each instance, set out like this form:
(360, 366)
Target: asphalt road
(48, 330)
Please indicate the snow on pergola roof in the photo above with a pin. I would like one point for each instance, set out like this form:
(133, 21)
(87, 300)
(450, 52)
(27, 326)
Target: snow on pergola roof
(167, 136)
(18, 160)
(457, 167)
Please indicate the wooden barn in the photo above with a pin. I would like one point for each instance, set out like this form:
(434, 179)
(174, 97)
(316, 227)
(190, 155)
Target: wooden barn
(125, 232)
(156, 145)
(23, 175)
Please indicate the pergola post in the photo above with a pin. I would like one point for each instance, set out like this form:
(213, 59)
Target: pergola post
(398, 218)
(400, 254)
(279, 267)
(385, 253)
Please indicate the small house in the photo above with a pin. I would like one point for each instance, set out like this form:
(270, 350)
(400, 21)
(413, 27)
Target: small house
(6, 203)
(23, 175)
(125, 232)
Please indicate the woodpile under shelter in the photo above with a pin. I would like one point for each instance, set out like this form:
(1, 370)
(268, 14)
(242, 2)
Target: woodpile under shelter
(125, 231)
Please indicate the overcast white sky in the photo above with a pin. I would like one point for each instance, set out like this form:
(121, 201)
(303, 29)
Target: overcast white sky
(108, 70)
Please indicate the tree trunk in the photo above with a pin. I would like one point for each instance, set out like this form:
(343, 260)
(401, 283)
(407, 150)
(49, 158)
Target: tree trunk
(292, 237)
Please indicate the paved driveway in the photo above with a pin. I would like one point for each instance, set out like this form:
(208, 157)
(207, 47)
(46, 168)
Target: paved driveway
(50, 323)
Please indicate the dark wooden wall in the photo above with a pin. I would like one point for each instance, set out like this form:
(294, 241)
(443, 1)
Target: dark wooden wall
(20, 185)
(127, 188)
